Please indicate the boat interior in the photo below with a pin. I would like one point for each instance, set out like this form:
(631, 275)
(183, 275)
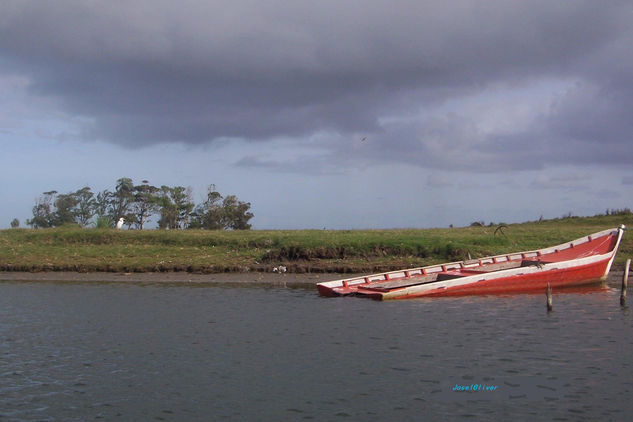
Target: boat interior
(450, 274)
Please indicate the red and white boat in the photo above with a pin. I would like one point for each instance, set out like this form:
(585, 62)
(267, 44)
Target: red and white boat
(583, 261)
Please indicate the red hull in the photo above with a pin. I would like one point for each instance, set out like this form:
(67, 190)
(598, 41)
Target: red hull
(589, 274)
(583, 261)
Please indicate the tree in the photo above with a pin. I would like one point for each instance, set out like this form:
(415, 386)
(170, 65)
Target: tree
(102, 203)
(145, 203)
(15, 223)
(101, 209)
(167, 209)
(236, 213)
(121, 200)
(175, 207)
(43, 214)
(64, 209)
(182, 198)
(210, 214)
(136, 204)
(84, 206)
(217, 213)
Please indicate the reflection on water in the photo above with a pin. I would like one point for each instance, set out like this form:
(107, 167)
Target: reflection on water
(72, 351)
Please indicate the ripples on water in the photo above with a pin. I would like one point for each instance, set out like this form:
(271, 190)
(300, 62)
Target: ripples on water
(71, 351)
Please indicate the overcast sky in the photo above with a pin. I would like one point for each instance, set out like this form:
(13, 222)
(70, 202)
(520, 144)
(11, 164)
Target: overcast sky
(337, 114)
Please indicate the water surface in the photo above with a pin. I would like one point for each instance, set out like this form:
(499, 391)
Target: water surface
(114, 351)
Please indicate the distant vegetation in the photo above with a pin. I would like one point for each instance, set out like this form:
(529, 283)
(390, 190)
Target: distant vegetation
(623, 211)
(137, 204)
(72, 248)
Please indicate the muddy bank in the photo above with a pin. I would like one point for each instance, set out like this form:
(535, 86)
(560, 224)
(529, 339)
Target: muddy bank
(172, 277)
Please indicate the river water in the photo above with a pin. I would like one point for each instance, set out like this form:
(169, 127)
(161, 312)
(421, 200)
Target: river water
(114, 351)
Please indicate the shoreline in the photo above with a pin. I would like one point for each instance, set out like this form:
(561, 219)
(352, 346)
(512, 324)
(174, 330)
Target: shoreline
(235, 278)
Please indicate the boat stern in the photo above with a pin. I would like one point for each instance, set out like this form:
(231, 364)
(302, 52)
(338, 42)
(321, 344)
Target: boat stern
(614, 252)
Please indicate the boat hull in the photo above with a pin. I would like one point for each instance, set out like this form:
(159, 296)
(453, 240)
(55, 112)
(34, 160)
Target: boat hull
(518, 283)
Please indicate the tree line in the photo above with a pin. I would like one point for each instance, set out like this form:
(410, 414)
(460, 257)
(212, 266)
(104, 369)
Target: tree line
(137, 205)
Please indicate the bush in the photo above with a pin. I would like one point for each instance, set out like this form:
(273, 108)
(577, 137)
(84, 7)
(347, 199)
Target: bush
(104, 222)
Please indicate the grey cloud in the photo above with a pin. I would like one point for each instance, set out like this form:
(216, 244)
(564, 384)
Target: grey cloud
(445, 142)
(577, 181)
(161, 71)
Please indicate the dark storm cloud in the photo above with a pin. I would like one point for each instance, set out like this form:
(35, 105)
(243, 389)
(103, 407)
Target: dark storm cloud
(144, 72)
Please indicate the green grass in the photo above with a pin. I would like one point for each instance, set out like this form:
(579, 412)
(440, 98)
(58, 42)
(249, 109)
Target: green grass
(76, 249)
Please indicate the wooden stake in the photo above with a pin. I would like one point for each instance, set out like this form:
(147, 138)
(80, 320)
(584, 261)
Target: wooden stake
(548, 293)
(625, 280)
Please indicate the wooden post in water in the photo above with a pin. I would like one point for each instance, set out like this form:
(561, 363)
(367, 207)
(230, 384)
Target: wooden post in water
(625, 279)
(548, 293)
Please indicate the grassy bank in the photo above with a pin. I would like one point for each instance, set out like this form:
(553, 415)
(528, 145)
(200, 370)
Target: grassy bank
(75, 249)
